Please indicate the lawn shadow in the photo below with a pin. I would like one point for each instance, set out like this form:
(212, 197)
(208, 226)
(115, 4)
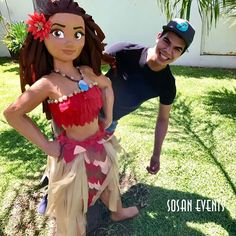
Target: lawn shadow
(203, 73)
(200, 131)
(223, 101)
(14, 147)
(144, 116)
(168, 212)
(26, 164)
(175, 222)
(5, 61)
(13, 69)
(158, 214)
(20, 216)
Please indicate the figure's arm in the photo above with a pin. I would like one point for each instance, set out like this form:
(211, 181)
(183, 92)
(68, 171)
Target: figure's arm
(160, 133)
(16, 116)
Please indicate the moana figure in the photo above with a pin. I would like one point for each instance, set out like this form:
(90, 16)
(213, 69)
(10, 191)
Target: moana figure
(60, 61)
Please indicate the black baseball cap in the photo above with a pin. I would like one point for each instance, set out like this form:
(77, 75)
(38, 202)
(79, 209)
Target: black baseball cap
(182, 28)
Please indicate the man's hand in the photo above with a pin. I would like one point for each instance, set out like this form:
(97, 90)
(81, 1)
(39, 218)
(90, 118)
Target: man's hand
(154, 165)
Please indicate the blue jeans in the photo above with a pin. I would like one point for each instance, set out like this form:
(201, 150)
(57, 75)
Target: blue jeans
(112, 127)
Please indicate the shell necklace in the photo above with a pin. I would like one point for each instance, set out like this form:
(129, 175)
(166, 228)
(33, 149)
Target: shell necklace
(82, 85)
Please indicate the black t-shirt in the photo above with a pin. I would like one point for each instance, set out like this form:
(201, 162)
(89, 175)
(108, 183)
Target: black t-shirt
(134, 82)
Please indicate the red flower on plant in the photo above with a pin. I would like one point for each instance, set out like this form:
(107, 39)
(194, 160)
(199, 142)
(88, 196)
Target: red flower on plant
(38, 26)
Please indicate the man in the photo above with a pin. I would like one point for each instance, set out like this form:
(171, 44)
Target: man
(143, 73)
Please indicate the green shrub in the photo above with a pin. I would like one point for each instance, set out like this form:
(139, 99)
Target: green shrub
(15, 36)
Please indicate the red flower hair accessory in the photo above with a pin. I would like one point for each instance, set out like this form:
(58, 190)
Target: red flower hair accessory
(38, 26)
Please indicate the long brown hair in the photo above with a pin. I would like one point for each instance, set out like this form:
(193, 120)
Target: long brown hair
(35, 60)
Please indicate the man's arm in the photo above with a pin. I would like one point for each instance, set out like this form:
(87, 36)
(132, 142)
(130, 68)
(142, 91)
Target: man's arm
(160, 133)
(108, 101)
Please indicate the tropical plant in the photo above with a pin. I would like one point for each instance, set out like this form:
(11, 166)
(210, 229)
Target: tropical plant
(230, 8)
(15, 36)
(210, 10)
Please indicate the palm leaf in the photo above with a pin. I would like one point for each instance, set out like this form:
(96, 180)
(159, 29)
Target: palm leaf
(209, 10)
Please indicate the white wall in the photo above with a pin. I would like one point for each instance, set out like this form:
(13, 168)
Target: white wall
(132, 20)
(139, 21)
(221, 41)
(217, 40)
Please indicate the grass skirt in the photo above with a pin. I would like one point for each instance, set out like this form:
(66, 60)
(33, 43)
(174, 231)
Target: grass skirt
(72, 179)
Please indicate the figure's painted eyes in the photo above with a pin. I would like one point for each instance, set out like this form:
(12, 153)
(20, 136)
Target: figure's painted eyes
(57, 33)
(60, 34)
(78, 35)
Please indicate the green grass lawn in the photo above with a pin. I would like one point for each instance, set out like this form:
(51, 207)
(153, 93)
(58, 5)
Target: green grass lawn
(198, 163)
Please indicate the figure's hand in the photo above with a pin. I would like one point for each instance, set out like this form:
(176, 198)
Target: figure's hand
(154, 165)
(54, 149)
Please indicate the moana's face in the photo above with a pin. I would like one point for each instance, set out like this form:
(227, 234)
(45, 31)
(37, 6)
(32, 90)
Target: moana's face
(67, 36)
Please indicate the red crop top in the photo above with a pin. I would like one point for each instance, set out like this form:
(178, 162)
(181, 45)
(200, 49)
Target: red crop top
(76, 109)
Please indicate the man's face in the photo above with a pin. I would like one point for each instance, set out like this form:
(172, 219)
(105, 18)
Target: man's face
(169, 48)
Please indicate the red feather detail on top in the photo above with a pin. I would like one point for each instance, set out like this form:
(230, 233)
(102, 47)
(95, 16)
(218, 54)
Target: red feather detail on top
(77, 109)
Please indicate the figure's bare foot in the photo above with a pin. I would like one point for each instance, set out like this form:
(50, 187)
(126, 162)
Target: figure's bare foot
(125, 213)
